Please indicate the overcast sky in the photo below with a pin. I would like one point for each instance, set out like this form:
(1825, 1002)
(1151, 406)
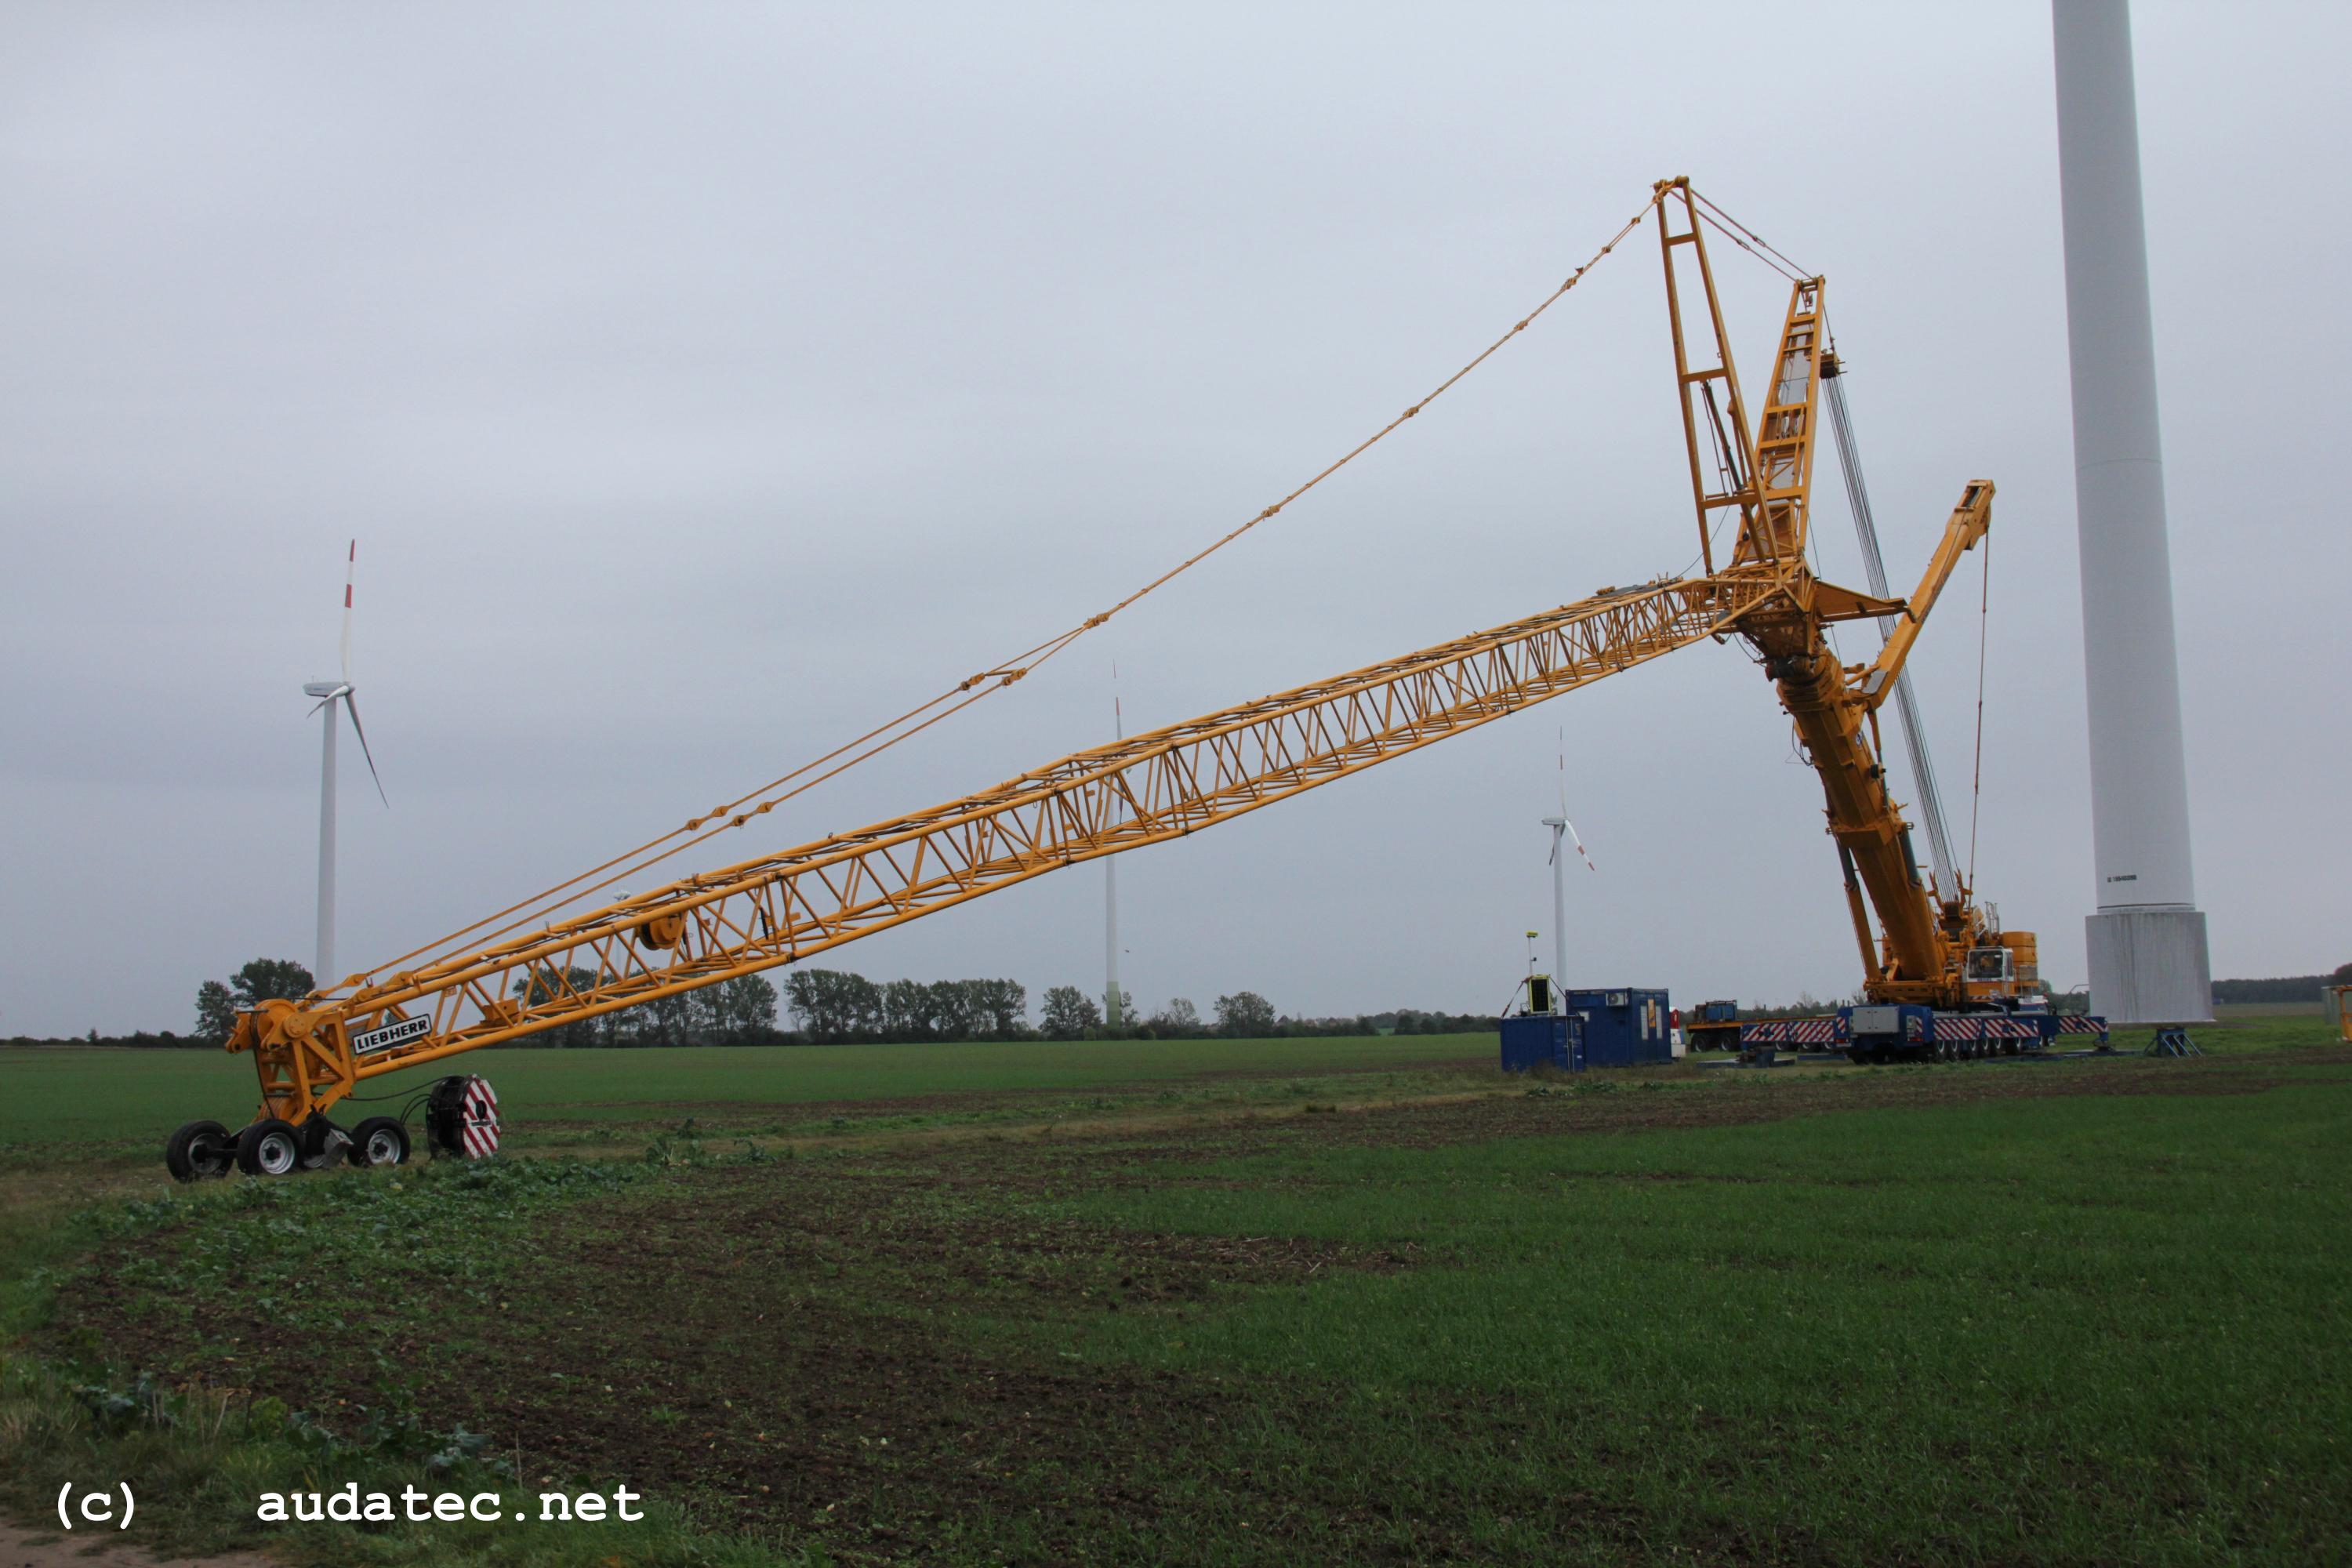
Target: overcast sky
(705, 383)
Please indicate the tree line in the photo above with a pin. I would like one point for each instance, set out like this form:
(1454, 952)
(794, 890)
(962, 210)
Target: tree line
(2287, 988)
(837, 1006)
(832, 1006)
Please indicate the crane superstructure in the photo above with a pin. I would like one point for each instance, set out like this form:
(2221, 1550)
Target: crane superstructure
(1932, 948)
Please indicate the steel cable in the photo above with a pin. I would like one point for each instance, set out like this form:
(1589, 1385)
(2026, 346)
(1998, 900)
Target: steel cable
(732, 813)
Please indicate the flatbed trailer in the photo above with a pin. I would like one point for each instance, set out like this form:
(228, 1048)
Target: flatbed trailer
(1908, 1032)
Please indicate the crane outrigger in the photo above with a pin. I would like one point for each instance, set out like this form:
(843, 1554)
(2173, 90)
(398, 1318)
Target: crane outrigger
(1932, 950)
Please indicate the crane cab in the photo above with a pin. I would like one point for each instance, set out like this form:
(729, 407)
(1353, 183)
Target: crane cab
(2004, 969)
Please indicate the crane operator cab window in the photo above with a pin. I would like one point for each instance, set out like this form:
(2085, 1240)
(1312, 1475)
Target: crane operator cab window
(1988, 963)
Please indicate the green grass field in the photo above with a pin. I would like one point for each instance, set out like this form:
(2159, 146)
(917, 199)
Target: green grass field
(136, 1097)
(1367, 1302)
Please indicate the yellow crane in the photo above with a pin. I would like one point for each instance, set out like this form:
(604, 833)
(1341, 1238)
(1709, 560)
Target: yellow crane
(1932, 946)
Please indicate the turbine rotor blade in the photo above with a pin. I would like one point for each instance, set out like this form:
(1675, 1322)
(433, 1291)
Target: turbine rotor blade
(351, 704)
(1580, 849)
(351, 563)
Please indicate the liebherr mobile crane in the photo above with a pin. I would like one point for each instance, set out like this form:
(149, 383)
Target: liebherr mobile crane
(1935, 956)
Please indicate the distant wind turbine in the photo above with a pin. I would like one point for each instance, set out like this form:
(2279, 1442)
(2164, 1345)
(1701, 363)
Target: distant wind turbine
(330, 693)
(1560, 826)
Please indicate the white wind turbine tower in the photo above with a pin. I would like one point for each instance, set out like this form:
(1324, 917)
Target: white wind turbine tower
(330, 693)
(1562, 828)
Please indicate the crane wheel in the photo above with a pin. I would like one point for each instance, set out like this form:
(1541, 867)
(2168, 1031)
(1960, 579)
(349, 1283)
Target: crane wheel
(199, 1150)
(267, 1148)
(380, 1141)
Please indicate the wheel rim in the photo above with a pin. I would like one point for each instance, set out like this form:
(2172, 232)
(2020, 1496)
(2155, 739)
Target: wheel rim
(276, 1154)
(382, 1147)
(210, 1156)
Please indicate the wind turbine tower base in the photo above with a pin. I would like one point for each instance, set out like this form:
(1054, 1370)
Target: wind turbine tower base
(2149, 966)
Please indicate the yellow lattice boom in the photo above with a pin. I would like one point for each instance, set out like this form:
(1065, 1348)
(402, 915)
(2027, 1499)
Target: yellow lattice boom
(1148, 789)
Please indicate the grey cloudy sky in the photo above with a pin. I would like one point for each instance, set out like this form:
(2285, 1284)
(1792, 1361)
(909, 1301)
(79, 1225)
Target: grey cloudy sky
(703, 383)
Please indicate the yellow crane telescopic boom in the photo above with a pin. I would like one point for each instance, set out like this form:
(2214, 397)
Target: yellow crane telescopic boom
(782, 908)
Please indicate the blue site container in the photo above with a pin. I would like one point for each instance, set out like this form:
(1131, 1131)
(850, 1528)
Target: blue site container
(1543, 1039)
(1624, 1026)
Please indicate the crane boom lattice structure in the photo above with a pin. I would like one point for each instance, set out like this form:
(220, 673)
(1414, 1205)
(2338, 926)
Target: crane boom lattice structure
(1152, 787)
(1931, 941)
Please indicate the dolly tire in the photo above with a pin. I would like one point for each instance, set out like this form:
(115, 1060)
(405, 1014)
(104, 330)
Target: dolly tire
(380, 1141)
(268, 1148)
(198, 1151)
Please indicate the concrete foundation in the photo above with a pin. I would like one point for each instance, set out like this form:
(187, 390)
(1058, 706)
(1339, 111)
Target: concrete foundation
(2149, 966)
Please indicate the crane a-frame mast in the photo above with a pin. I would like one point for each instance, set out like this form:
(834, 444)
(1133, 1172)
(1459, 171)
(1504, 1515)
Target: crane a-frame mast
(1931, 941)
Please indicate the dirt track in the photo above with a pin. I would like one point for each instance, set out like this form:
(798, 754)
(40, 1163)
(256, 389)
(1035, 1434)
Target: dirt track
(111, 1548)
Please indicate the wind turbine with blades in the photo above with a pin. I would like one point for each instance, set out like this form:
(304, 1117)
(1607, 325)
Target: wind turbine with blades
(330, 693)
(1562, 828)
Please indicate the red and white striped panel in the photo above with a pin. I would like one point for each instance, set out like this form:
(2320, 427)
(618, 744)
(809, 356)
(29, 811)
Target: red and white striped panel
(478, 1115)
(2080, 1024)
(1789, 1031)
(1985, 1026)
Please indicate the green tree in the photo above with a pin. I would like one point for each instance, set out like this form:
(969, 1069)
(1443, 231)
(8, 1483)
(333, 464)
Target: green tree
(1177, 1019)
(1245, 1016)
(906, 1010)
(738, 1012)
(2343, 975)
(268, 979)
(831, 1005)
(956, 1012)
(262, 980)
(216, 1013)
(1003, 1007)
(1069, 1012)
(547, 984)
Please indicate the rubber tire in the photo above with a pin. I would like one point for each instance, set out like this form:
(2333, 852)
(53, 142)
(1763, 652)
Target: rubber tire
(198, 1151)
(366, 1133)
(268, 1148)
